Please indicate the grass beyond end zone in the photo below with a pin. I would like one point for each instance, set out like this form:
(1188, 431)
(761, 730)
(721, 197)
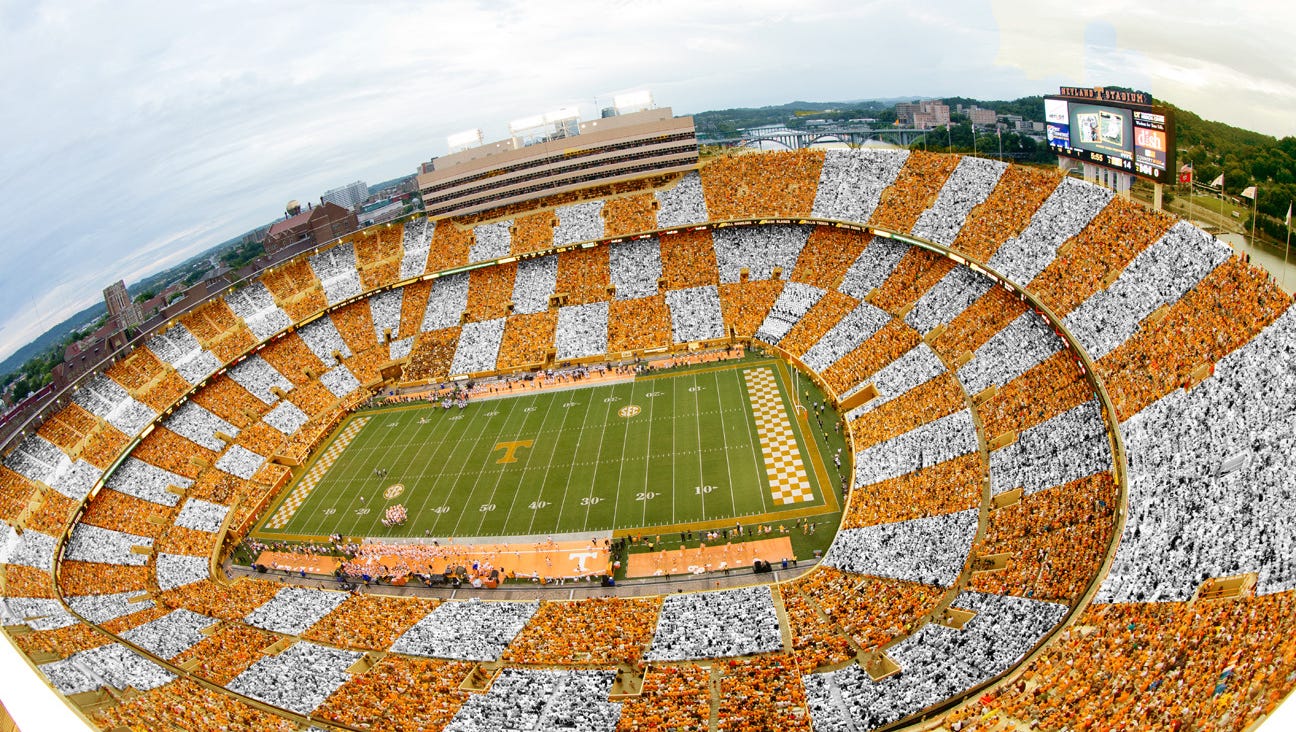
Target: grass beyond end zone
(664, 451)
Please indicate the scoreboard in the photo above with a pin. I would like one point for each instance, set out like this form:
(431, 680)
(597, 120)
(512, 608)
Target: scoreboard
(1113, 128)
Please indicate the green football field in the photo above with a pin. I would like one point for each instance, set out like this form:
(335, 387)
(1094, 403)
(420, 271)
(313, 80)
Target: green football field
(664, 450)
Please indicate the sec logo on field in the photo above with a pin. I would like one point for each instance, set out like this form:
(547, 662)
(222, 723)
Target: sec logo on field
(629, 410)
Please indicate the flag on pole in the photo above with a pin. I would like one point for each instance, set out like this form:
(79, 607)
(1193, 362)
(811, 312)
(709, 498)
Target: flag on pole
(1186, 174)
(1287, 220)
(1218, 182)
(1249, 192)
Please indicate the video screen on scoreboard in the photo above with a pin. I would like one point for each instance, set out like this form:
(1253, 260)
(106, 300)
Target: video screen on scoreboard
(1130, 139)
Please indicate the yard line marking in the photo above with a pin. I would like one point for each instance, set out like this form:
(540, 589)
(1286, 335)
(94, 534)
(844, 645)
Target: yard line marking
(313, 476)
(733, 502)
(526, 463)
(787, 474)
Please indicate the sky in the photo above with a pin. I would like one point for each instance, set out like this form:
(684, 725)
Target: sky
(135, 135)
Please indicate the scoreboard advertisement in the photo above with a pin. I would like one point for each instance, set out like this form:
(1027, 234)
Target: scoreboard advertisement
(1116, 129)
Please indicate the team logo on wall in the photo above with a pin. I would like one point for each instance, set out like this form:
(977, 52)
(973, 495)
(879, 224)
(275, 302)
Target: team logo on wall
(629, 410)
(393, 491)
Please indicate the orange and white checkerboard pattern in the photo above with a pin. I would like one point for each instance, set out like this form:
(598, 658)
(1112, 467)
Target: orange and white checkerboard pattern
(783, 464)
(316, 473)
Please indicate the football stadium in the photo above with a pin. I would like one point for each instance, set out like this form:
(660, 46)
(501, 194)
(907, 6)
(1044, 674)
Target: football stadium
(845, 439)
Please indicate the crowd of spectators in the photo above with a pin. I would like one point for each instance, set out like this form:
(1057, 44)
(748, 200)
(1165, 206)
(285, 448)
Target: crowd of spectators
(177, 570)
(948, 298)
(930, 551)
(112, 664)
(927, 402)
(490, 289)
(533, 233)
(1070, 446)
(192, 421)
(184, 704)
(299, 679)
(827, 255)
(761, 693)
(584, 276)
(295, 289)
(638, 324)
(769, 184)
(294, 609)
(354, 322)
(256, 306)
(1220, 665)
(414, 300)
(1006, 212)
(535, 282)
(335, 268)
(1056, 539)
(675, 697)
(1054, 386)
(681, 204)
(1022, 345)
(526, 339)
(416, 241)
(851, 183)
(1063, 214)
(451, 246)
(816, 639)
(716, 624)
(478, 347)
(95, 544)
(688, 259)
(286, 417)
(401, 694)
(744, 306)
(110, 509)
(826, 314)
(580, 222)
(883, 347)
(1210, 479)
(871, 611)
(490, 241)
(758, 249)
(219, 330)
(851, 330)
(378, 256)
(967, 187)
(695, 314)
(171, 634)
(945, 487)
(240, 461)
(913, 368)
(629, 214)
(525, 700)
(446, 303)
(792, 304)
(466, 631)
(582, 330)
(432, 355)
(917, 186)
(936, 662)
(1159, 275)
(1228, 307)
(916, 273)
(369, 622)
(634, 267)
(385, 311)
(178, 347)
(598, 631)
(1085, 264)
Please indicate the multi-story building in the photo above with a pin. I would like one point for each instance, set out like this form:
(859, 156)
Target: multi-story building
(981, 117)
(310, 228)
(349, 196)
(605, 150)
(122, 311)
(923, 115)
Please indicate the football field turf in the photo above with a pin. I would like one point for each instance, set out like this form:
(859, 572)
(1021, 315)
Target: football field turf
(663, 450)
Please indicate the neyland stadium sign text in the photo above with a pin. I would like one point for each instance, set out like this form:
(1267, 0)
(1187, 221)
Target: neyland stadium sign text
(1100, 94)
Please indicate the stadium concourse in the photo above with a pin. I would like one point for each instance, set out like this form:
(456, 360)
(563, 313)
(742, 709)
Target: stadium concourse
(1073, 462)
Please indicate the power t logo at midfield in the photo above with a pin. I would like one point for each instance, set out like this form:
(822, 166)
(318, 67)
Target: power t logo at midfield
(510, 449)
